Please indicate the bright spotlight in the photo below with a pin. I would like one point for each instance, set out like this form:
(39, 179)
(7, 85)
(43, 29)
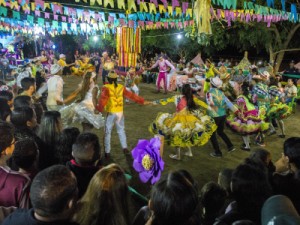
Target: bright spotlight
(95, 38)
(179, 36)
(53, 46)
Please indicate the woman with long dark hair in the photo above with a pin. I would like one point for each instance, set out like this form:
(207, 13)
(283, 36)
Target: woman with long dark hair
(188, 127)
(50, 127)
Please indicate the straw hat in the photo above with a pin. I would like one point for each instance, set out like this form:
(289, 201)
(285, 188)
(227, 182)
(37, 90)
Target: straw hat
(62, 56)
(112, 75)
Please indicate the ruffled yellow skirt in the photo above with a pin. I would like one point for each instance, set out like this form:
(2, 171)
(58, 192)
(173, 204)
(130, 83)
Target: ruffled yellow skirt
(184, 128)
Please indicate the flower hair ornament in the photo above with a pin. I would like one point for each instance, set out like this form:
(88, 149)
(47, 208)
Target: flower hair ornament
(147, 160)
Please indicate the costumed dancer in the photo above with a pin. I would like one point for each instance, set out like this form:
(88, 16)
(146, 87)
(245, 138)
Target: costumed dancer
(210, 73)
(107, 65)
(218, 103)
(190, 71)
(85, 111)
(131, 79)
(163, 65)
(111, 99)
(278, 110)
(229, 88)
(188, 127)
(261, 98)
(247, 121)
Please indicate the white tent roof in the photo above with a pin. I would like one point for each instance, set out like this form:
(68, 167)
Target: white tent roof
(198, 60)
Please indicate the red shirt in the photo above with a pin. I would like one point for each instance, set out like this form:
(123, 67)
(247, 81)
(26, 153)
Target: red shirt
(14, 188)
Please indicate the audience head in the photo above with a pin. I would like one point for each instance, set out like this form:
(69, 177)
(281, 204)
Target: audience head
(261, 155)
(4, 110)
(23, 117)
(28, 84)
(278, 210)
(63, 148)
(22, 101)
(174, 200)
(53, 193)
(250, 188)
(105, 200)
(8, 95)
(7, 140)
(224, 179)
(86, 149)
(291, 148)
(50, 127)
(212, 198)
(25, 155)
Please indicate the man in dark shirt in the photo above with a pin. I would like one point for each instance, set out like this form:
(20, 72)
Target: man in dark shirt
(53, 195)
(86, 153)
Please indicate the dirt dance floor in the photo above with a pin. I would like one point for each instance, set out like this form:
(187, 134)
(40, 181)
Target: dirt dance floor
(203, 167)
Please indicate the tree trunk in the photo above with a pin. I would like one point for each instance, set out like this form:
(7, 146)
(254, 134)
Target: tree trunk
(278, 61)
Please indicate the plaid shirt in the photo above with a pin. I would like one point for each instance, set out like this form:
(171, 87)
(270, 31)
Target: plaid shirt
(274, 92)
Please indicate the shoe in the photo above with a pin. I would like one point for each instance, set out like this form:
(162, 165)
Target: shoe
(215, 155)
(188, 154)
(126, 151)
(281, 135)
(243, 147)
(176, 157)
(231, 149)
(107, 155)
(156, 92)
(165, 93)
(261, 144)
(272, 133)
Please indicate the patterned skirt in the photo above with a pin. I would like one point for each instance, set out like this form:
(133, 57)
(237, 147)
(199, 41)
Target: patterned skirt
(184, 128)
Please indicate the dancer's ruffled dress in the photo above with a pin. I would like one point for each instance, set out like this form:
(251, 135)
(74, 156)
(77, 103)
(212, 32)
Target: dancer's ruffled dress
(184, 128)
(83, 112)
(278, 110)
(248, 120)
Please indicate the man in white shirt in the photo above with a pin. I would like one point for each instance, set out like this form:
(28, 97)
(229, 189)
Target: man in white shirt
(55, 88)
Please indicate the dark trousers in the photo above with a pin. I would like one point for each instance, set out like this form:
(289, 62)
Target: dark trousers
(104, 76)
(220, 122)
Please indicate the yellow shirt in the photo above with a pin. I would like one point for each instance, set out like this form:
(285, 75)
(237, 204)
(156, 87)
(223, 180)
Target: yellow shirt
(115, 100)
(62, 63)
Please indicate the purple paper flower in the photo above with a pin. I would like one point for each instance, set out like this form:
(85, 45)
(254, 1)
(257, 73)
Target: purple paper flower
(147, 160)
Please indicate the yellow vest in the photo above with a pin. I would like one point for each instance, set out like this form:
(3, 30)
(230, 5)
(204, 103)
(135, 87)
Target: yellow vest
(115, 100)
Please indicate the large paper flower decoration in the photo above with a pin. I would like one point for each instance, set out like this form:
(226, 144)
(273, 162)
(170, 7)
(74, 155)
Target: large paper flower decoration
(147, 160)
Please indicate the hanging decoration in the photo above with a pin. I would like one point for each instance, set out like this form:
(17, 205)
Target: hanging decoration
(128, 45)
(202, 16)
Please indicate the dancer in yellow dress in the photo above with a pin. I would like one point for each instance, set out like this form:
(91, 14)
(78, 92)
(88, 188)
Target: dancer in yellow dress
(189, 126)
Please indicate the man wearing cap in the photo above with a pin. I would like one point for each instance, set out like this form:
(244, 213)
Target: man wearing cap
(55, 88)
(163, 65)
(218, 103)
(112, 96)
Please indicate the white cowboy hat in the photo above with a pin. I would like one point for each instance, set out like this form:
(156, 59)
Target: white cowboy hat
(62, 56)
(55, 68)
(216, 81)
